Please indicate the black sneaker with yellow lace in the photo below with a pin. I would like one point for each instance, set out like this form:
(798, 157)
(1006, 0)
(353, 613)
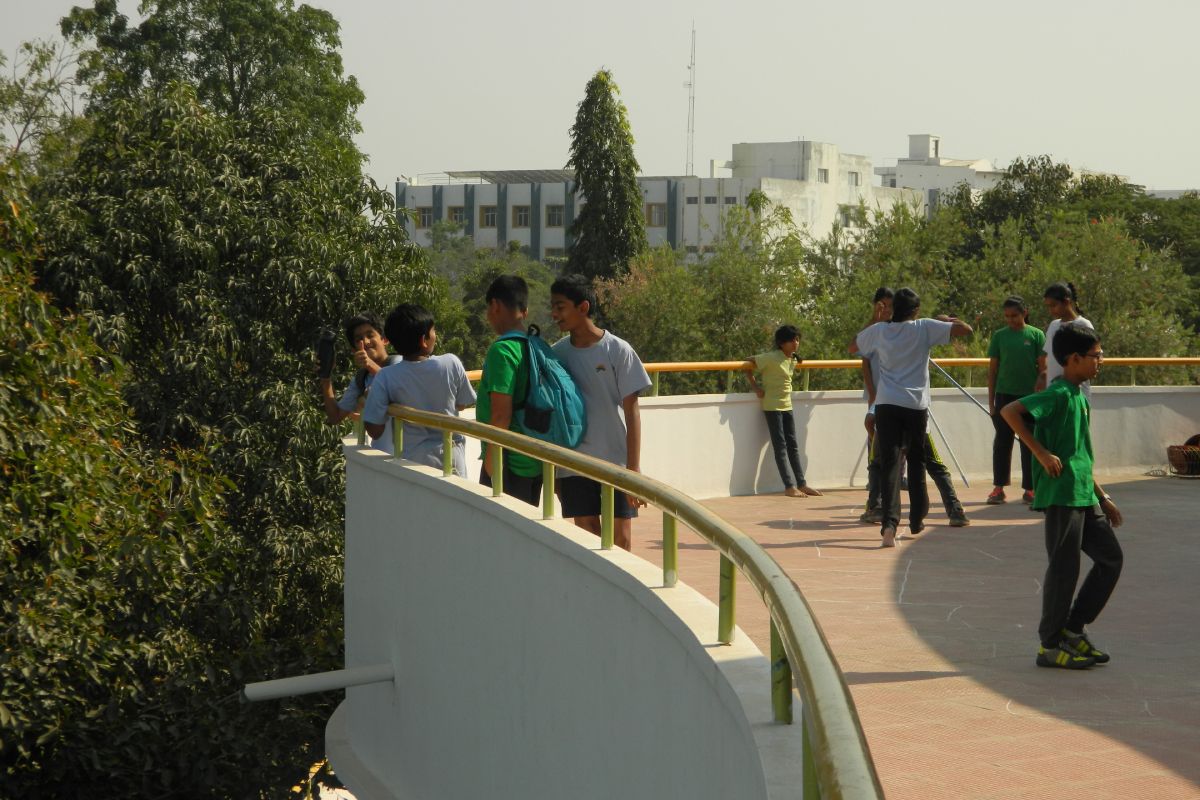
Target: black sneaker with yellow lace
(1081, 645)
(1063, 658)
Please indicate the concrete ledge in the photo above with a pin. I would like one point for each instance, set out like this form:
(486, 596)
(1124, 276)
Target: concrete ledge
(532, 664)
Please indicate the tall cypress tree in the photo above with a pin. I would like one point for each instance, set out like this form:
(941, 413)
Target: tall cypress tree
(610, 228)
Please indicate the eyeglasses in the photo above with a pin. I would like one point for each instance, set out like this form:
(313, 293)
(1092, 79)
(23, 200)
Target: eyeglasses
(1098, 356)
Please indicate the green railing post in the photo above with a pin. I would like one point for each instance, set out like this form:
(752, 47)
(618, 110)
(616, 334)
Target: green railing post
(781, 679)
(397, 438)
(654, 384)
(804, 378)
(360, 432)
(447, 454)
(729, 382)
(812, 789)
(496, 454)
(1133, 376)
(606, 516)
(726, 607)
(670, 550)
(547, 490)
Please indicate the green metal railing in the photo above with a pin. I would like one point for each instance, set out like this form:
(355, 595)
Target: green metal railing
(837, 761)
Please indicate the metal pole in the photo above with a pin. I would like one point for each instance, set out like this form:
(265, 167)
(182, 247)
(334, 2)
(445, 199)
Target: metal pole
(726, 603)
(606, 516)
(781, 679)
(320, 682)
(547, 490)
(970, 396)
(654, 384)
(397, 439)
(496, 453)
(447, 453)
(670, 550)
(950, 449)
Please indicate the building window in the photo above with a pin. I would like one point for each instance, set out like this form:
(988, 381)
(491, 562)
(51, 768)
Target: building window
(656, 215)
(708, 248)
(552, 253)
(731, 201)
(555, 215)
(520, 216)
(487, 216)
(456, 214)
(847, 217)
(692, 249)
(710, 200)
(425, 217)
(852, 177)
(691, 201)
(822, 176)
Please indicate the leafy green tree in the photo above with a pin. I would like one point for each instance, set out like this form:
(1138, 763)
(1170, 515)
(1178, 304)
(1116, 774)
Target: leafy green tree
(209, 251)
(40, 127)
(611, 227)
(241, 56)
(112, 559)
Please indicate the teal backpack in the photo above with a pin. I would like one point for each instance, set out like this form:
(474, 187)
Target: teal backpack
(552, 409)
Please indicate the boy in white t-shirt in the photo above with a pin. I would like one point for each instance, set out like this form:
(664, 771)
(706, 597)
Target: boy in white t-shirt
(900, 350)
(610, 377)
(422, 381)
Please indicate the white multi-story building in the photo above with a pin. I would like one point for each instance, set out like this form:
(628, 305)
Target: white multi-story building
(535, 208)
(926, 171)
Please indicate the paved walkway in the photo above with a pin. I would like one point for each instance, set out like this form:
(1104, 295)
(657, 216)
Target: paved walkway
(937, 639)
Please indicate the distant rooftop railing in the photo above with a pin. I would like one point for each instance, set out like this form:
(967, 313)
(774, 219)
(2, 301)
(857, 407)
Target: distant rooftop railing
(805, 367)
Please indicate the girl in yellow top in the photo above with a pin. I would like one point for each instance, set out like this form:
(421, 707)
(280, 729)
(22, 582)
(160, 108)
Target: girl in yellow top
(776, 368)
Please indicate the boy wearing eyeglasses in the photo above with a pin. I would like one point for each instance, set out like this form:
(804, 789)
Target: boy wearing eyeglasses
(1080, 516)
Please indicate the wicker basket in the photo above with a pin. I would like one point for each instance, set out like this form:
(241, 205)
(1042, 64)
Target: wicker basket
(1185, 458)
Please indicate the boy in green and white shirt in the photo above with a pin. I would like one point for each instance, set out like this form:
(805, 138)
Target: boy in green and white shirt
(776, 368)
(1079, 515)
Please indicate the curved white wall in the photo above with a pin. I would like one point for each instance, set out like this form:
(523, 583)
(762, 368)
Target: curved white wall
(529, 664)
(717, 445)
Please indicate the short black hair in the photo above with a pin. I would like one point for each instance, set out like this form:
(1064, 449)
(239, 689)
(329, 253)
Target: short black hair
(575, 288)
(883, 293)
(905, 305)
(1074, 337)
(511, 291)
(406, 326)
(357, 321)
(786, 333)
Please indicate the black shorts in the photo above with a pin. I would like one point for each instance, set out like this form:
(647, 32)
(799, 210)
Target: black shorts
(518, 486)
(580, 497)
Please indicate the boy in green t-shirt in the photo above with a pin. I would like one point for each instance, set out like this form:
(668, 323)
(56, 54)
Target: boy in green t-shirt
(776, 368)
(1066, 489)
(1017, 358)
(505, 377)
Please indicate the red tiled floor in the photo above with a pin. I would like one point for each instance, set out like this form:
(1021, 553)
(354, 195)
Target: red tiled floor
(937, 638)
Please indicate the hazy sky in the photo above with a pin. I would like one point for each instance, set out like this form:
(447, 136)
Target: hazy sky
(1105, 84)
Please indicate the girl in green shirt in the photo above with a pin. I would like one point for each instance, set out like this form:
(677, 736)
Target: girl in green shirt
(776, 368)
(1017, 358)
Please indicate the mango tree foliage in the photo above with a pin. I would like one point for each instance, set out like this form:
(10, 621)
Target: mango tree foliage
(112, 562)
(208, 251)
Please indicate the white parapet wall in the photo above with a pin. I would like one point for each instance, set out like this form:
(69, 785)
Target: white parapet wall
(530, 664)
(717, 445)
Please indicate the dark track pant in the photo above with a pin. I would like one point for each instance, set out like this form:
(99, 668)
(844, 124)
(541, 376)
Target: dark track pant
(896, 427)
(1002, 446)
(782, 427)
(934, 465)
(1070, 531)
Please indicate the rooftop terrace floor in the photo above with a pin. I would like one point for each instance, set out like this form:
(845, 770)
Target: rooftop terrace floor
(937, 641)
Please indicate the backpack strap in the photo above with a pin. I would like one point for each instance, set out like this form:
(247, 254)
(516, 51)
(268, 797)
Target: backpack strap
(527, 351)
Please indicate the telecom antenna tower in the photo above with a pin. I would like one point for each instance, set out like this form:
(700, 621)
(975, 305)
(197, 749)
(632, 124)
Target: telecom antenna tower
(691, 87)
